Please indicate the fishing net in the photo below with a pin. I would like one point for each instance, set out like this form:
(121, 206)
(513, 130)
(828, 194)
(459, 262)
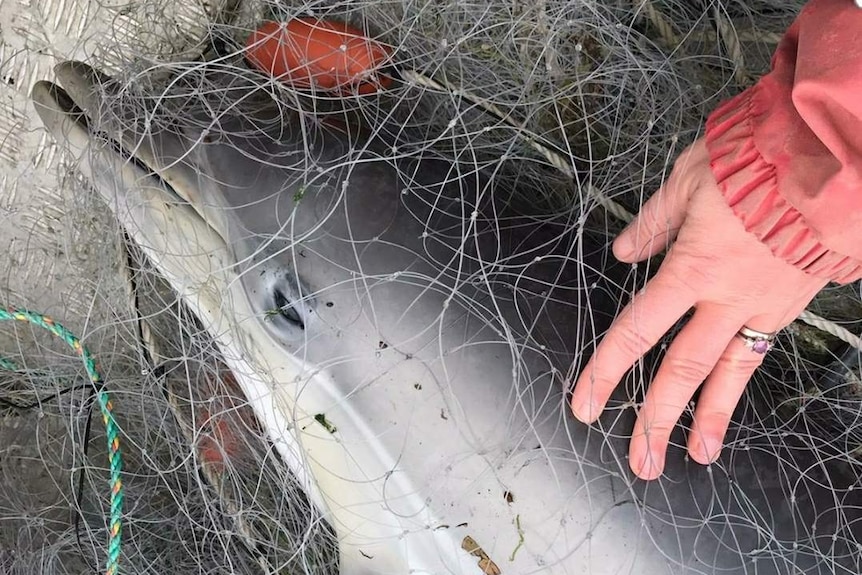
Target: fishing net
(577, 110)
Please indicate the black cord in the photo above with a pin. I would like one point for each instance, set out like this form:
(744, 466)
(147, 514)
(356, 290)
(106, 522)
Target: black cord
(79, 492)
(42, 400)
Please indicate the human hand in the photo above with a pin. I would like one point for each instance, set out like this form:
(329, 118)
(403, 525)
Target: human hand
(731, 279)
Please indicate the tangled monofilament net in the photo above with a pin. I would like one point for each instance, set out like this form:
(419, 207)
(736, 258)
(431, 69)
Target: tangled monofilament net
(618, 88)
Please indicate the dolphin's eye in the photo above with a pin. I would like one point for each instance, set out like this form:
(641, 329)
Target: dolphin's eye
(286, 309)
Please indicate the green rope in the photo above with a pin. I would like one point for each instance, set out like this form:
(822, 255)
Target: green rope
(114, 456)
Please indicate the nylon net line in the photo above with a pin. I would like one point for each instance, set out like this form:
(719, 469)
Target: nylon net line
(546, 124)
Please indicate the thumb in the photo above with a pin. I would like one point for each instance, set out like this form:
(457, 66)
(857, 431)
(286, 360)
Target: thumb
(657, 223)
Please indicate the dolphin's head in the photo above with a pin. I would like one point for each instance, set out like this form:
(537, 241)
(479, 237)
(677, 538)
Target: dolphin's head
(357, 259)
(436, 326)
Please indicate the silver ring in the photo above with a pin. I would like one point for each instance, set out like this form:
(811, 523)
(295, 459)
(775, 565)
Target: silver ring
(757, 341)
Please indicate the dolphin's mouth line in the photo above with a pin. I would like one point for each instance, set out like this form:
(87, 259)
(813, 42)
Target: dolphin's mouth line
(282, 304)
(66, 104)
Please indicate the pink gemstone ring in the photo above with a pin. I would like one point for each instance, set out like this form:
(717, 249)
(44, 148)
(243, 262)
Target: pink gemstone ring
(757, 341)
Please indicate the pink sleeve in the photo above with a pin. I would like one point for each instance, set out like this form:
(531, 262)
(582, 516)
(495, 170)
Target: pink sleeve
(787, 152)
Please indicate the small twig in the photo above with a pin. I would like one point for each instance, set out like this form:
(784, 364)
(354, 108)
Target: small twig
(520, 538)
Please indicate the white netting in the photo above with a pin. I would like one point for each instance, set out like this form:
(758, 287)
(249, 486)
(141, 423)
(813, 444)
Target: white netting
(615, 88)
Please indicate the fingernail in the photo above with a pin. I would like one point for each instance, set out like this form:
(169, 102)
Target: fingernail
(651, 466)
(624, 245)
(586, 410)
(710, 448)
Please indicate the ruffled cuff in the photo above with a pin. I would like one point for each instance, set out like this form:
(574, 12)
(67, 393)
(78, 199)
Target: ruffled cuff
(750, 185)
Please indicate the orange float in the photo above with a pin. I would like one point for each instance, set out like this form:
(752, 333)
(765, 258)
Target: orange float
(319, 55)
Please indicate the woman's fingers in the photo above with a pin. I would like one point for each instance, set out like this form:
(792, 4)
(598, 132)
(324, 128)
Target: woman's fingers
(652, 231)
(637, 329)
(659, 219)
(724, 387)
(718, 399)
(689, 361)
(723, 270)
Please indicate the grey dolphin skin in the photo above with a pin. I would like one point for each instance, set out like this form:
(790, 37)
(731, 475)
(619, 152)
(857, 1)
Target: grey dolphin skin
(436, 322)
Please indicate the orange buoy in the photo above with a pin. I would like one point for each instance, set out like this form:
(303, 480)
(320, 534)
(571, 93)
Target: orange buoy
(319, 55)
